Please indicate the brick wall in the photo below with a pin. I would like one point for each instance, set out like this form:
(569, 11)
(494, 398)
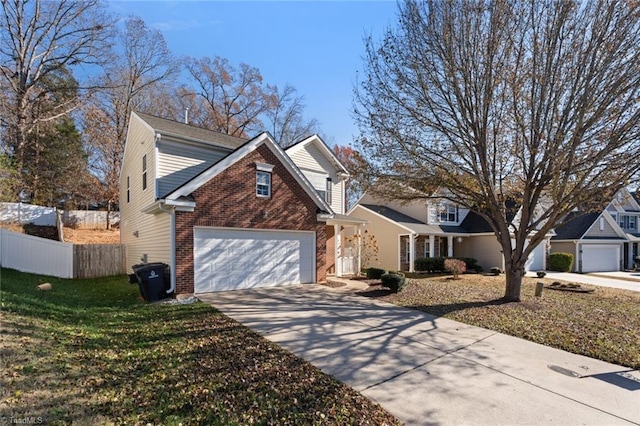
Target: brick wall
(229, 200)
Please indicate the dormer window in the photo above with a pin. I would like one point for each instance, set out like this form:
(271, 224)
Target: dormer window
(263, 180)
(448, 213)
(628, 222)
(328, 193)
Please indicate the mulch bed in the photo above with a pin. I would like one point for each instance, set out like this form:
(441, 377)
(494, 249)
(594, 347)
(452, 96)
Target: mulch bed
(333, 284)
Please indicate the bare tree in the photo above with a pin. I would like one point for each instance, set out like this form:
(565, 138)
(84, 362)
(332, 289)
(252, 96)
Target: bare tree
(236, 97)
(39, 38)
(532, 101)
(144, 64)
(286, 117)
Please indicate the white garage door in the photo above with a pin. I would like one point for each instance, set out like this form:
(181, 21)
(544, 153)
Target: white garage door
(230, 259)
(601, 258)
(535, 262)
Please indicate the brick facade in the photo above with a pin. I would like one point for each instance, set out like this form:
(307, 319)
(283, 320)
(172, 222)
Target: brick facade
(229, 200)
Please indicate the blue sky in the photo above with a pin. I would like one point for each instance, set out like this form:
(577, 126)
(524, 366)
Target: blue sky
(316, 46)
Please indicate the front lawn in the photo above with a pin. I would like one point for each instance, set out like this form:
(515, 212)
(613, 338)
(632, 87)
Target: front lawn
(90, 352)
(604, 324)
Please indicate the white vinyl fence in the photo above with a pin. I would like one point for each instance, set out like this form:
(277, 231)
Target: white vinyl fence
(35, 255)
(46, 216)
(27, 213)
(64, 260)
(89, 219)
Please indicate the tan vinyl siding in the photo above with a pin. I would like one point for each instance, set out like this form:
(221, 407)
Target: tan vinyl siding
(179, 162)
(154, 239)
(484, 248)
(153, 231)
(563, 247)
(595, 232)
(387, 236)
(415, 209)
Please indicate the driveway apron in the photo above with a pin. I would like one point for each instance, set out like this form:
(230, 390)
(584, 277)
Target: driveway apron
(433, 371)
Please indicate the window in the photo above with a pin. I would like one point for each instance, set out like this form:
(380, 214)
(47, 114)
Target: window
(128, 190)
(144, 172)
(628, 222)
(263, 184)
(427, 248)
(328, 193)
(448, 213)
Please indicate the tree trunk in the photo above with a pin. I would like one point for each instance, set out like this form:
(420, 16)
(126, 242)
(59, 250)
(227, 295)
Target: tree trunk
(514, 284)
(108, 214)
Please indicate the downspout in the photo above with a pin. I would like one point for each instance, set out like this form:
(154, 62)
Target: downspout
(172, 262)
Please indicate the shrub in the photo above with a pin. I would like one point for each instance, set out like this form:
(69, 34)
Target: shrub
(561, 262)
(456, 266)
(438, 264)
(423, 264)
(472, 264)
(429, 264)
(395, 281)
(374, 273)
(541, 274)
(495, 270)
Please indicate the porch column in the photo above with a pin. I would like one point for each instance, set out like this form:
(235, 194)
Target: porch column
(449, 246)
(337, 249)
(359, 260)
(432, 246)
(412, 251)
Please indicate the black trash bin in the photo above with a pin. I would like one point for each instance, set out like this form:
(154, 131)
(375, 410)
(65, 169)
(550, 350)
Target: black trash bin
(153, 280)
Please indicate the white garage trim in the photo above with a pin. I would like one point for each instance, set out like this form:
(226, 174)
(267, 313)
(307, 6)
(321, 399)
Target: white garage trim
(599, 257)
(235, 258)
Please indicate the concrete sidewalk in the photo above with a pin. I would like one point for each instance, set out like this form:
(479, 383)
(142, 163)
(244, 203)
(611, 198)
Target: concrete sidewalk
(434, 371)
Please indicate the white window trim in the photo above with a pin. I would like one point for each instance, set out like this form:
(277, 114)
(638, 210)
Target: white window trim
(447, 209)
(258, 184)
(263, 167)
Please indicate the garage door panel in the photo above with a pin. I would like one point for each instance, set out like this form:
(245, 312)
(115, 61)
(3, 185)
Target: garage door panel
(227, 259)
(600, 258)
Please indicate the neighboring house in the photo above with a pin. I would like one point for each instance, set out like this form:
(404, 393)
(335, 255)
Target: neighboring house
(228, 213)
(433, 229)
(605, 241)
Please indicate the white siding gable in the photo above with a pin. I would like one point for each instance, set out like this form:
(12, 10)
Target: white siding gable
(178, 162)
(316, 167)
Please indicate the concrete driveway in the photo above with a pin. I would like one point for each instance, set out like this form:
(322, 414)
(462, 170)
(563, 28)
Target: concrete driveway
(434, 371)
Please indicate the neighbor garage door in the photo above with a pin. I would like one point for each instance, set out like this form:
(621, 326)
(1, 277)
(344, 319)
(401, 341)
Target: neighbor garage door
(600, 258)
(535, 262)
(230, 259)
